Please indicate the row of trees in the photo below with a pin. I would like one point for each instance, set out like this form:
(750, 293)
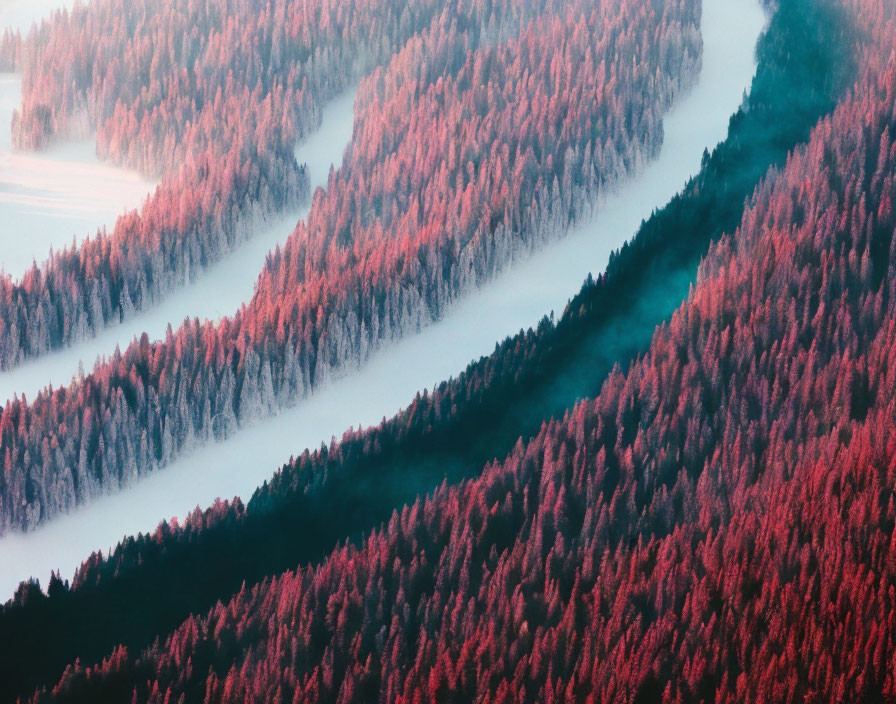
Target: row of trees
(717, 525)
(805, 58)
(415, 218)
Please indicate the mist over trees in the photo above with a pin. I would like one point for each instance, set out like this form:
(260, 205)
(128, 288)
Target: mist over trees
(415, 218)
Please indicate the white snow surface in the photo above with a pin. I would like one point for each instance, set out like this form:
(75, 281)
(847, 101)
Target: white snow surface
(218, 291)
(388, 382)
(21, 14)
(49, 199)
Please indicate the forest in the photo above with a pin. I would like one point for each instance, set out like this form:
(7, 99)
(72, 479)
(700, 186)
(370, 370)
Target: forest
(344, 285)
(717, 524)
(350, 487)
(681, 488)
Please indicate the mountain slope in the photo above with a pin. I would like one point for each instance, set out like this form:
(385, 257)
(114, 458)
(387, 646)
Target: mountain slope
(717, 525)
(461, 426)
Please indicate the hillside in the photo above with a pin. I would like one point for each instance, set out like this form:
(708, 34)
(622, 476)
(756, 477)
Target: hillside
(453, 432)
(682, 488)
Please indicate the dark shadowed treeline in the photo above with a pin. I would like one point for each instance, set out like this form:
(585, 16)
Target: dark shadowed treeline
(716, 525)
(431, 200)
(464, 423)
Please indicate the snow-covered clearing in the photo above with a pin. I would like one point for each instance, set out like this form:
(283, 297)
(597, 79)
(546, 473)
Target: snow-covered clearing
(52, 197)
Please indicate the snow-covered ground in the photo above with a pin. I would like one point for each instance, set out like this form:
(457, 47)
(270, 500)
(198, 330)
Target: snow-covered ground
(52, 197)
(516, 299)
(219, 291)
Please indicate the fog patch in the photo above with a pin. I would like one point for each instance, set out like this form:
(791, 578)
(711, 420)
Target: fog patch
(19, 15)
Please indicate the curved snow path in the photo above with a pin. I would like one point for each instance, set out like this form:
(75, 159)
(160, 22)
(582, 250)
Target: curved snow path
(218, 291)
(514, 300)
